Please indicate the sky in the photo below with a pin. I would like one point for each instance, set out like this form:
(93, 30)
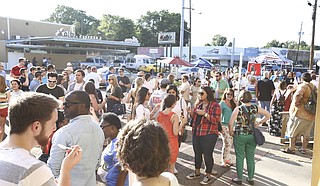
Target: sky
(252, 23)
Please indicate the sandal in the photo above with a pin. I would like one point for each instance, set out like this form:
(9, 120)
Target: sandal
(302, 151)
(289, 151)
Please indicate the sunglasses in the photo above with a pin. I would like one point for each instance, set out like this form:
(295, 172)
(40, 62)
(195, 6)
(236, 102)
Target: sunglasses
(102, 127)
(68, 104)
(140, 75)
(201, 93)
(217, 76)
(52, 81)
(198, 81)
(110, 79)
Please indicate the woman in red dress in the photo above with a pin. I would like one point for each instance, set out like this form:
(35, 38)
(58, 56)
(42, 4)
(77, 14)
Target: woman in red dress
(170, 123)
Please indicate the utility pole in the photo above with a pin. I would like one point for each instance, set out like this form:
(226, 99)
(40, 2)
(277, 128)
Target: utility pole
(314, 15)
(181, 31)
(300, 33)
(190, 47)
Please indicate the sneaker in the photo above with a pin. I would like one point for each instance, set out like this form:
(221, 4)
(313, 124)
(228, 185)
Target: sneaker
(214, 172)
(251, 182)
(206, 180)
(237, 181)
(175, 171)
(193, 176)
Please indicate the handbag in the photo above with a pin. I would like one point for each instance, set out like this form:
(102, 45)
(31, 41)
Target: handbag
(119, 108)
(257, 134)
(219, 126)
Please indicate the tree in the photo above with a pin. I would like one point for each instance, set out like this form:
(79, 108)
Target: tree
(85, 25)
(218, 40)
(273, 43)
(150, 25)
(117, 28)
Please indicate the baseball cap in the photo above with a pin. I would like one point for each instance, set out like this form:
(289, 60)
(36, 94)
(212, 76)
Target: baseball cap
(165, 81)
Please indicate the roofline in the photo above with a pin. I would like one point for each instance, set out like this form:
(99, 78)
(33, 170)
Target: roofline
(76, 40)
(47, 22)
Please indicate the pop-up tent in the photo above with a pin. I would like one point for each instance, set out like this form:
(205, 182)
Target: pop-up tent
(202, 63)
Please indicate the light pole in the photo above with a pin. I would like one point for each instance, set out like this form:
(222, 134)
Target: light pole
(181, 31)
(314, 15)
(300, 33)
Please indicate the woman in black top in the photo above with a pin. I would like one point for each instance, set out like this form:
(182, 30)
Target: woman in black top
(113, 93)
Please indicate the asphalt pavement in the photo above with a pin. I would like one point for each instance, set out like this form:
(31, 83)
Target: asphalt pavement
(273, 167)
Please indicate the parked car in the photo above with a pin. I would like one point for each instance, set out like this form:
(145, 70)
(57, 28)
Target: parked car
(151, 68)
(187, 70)
(98, 62)
(104, 70)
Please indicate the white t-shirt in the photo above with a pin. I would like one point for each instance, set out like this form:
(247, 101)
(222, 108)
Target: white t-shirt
(96, 77)
(149, 85)
(77, 86)
(186, 88)
(142, 112)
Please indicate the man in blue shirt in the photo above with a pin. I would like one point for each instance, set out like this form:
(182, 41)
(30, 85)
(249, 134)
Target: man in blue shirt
(111, 125)
(111, 71)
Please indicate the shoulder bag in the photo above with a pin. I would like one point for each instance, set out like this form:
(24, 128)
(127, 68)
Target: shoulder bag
(258, 136)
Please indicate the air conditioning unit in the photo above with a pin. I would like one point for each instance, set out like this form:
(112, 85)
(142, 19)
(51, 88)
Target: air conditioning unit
(16, 37)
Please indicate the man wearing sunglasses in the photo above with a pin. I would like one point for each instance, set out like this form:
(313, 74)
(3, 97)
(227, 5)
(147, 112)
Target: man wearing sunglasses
(83, 131)
(51, 87)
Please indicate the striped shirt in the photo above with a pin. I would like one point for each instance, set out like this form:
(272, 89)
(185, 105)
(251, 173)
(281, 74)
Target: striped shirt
(252, 89)
(19, 167)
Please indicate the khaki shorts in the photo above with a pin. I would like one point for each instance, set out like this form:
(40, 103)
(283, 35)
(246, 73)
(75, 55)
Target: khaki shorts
(298, 126)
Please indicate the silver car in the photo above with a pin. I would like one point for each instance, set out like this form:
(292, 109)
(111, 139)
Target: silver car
(104, 70)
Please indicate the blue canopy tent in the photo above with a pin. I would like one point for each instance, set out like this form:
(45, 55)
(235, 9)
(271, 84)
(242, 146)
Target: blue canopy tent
(202, 63)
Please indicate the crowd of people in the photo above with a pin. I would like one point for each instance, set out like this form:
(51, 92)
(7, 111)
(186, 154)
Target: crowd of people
(132, 135)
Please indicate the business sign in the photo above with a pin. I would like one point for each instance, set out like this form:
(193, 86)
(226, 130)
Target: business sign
(167, 38)
(251, 52)
(153, 51)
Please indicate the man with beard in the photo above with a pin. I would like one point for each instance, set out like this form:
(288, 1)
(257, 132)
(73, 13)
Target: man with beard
(81, 130)
(31, 123)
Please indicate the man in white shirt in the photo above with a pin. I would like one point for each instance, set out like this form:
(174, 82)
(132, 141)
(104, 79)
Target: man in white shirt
(95, 76)
(185, 88)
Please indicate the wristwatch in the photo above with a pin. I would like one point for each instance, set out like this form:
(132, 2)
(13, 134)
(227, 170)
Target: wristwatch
(206, 115)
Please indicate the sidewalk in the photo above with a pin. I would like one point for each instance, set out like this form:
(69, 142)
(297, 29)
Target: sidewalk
(273, 167)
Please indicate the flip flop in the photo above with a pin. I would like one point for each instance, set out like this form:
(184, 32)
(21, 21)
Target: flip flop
(302, 151)
(288, 151)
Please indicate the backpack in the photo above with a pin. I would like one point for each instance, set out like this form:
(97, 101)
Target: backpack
(282, 99)
(311, 104)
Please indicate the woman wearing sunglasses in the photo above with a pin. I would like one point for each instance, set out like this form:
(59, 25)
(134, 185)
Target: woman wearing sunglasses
(206, 116)
(113, 93)
(227, 105)
(194, 91)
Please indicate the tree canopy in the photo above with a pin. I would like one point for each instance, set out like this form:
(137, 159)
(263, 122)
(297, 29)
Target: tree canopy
(85, 25)
(151, 24)
(116, 28)
(288, 44)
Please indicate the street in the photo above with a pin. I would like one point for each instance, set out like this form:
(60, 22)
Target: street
(273, 167)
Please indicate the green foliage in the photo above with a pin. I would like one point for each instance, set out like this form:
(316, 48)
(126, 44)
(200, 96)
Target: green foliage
(85, 25)
(150, 25)
(117, 28)
(218, 40)
(288, 44)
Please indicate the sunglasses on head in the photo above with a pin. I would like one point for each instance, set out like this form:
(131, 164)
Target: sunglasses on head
(69, 103)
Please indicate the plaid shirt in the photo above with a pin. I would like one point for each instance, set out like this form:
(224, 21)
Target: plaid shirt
(208, 126)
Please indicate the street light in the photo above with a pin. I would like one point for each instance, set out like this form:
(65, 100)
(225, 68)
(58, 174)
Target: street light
(314, 15)
(181, 31)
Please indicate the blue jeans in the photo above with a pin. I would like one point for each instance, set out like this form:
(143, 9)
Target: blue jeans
(265, 105)
(204, 145)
